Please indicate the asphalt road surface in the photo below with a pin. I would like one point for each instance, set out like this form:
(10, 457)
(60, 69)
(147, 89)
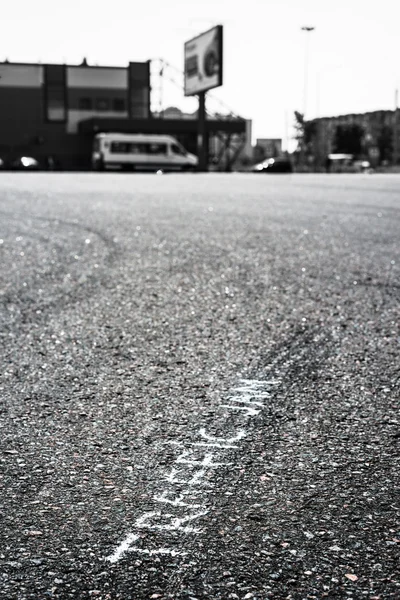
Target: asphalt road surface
(199, 387)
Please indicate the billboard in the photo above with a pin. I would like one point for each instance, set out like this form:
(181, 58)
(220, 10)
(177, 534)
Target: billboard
(203, 62)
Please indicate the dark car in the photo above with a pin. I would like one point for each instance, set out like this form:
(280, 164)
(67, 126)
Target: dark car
(25, 163)
(274, 165)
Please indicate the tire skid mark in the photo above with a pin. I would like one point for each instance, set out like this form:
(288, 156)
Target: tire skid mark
(60, 298)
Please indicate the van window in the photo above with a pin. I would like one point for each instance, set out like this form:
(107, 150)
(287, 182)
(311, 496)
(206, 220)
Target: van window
(119, 148)
(157, 148)
(137, 148)
(177, 150)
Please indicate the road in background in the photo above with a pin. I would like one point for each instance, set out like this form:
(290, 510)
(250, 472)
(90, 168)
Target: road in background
(199, 386)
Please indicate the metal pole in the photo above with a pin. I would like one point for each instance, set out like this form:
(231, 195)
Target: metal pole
(318, 96)
(395, 130)
(202, 138)
(286, 133)
(306, 58)
(306, 54)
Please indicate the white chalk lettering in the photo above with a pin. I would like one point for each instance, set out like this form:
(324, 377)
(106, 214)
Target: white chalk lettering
(206, 462)
(213, 445)
(256, 383)
(174, 524)
(165, 497)
(251, 412)
(159, 551)
(122, 548)
(246, 400)
(241, 434)
(191, 473)
(195, 480)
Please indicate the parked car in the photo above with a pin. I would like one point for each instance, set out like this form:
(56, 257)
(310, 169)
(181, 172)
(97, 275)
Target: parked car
(273, 165)
(346, 163)
(362, 166)
(25, 163)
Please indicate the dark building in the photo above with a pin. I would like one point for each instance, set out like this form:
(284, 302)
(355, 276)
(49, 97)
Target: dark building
(374, 136)
(52, 112)
(41, 107)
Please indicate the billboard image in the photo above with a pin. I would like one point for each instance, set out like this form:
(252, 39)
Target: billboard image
(203, 62)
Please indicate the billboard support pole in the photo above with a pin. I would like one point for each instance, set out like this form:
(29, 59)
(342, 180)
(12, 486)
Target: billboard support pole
(202, 138)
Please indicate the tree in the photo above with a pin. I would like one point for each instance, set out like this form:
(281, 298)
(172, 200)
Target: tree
(348, 139)
(385, 143)
(305, 131)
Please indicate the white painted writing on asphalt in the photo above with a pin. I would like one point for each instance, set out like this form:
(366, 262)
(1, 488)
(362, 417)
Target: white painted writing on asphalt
(247, 398)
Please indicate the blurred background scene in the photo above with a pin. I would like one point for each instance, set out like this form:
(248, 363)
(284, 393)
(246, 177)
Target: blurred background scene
(299, 87)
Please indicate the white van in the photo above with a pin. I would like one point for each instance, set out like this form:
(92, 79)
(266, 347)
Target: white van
(142, 152)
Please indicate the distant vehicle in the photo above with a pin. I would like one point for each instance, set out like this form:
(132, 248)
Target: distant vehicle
(362, 166)
(346, 163)
(140, 152)
(2, 164)
(273, 165)
(25, 163)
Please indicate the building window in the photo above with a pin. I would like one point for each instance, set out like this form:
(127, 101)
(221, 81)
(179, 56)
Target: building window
(119, 105)
(85, 104)
(102, 104)
(55, 93)
(139, 90)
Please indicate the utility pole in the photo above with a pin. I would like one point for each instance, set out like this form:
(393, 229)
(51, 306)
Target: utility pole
(395, 130)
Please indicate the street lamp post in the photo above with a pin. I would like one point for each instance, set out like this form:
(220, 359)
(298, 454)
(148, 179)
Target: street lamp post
(306, 55)
(307, 30)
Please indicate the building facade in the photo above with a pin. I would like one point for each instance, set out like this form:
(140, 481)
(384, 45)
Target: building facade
(42, 106)
(52, 112)
(378, 133)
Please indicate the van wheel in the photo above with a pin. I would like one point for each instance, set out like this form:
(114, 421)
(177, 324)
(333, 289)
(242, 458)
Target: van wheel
(98, 165)
(128, 168)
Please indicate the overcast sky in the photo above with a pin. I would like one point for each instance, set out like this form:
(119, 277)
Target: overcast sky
(354, 52)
